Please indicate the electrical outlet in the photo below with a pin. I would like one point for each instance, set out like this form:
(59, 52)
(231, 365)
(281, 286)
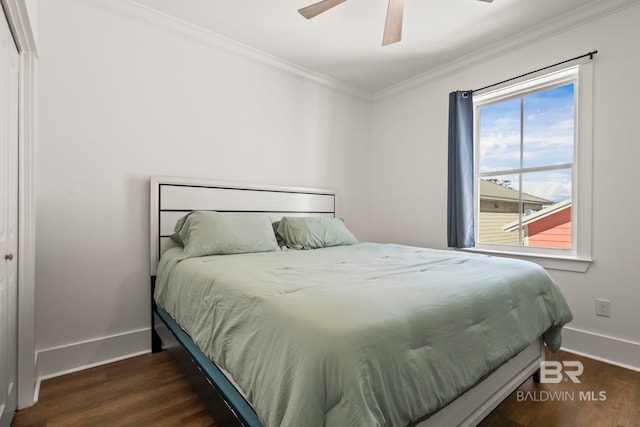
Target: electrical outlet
(603, 307)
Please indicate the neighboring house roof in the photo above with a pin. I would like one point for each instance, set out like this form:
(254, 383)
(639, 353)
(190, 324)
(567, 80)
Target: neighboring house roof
(542, 213)
(493, 191)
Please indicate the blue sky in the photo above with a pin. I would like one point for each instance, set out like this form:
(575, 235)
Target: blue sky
(548, 140)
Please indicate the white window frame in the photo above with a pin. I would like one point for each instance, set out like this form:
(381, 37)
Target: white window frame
(578, 257)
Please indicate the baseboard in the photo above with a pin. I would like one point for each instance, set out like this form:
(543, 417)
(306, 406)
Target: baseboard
(614, 351)
(70, 358)
(53, 362)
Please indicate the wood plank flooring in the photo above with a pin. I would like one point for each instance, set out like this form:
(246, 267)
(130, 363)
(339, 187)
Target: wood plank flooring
(150, 390)
(608, 396)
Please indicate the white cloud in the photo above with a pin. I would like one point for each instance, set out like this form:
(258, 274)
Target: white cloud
(551, 186)
(564, 125)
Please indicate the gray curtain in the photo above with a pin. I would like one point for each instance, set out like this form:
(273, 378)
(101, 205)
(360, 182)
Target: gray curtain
(460, 194)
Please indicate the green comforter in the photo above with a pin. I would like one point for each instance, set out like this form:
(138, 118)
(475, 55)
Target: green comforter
(362, 335)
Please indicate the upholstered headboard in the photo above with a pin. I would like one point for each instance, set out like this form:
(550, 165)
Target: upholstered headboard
(171, 198)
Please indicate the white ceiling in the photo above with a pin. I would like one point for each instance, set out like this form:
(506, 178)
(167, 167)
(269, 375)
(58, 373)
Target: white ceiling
(344, 43)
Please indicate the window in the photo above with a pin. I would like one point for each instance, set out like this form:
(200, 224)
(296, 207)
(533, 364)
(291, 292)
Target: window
(526, 185)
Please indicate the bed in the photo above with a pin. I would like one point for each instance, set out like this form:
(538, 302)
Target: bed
(344, 334)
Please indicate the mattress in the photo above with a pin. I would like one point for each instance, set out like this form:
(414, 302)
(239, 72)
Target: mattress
(360, 335)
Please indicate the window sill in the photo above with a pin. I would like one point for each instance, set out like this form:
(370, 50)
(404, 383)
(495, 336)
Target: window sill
(552, 262)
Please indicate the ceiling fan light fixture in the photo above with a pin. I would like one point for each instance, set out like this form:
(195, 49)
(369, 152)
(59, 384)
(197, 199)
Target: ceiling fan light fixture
(392, 25)
(319, 7)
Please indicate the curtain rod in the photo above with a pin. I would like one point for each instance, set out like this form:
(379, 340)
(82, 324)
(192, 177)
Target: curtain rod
(590, 55)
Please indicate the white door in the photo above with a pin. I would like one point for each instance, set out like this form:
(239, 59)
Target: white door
(8, 223)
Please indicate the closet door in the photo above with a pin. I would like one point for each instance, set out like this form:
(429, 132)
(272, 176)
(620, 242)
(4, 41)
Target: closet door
(8, 223)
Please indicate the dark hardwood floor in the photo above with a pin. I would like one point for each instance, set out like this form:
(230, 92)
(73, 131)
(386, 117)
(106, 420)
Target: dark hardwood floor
(150, 390)
(607, 396)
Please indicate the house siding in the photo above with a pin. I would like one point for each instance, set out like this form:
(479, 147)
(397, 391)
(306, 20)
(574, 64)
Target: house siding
(553, 231)
(491, 231)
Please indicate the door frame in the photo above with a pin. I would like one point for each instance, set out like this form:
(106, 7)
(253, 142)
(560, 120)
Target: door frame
(16, 12)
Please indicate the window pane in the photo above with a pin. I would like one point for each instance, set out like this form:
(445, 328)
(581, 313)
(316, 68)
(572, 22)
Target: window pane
(547, 224)
(499, 206)
(499, 145)
(549, 127)
(528, 131)
(553, 186)
(545, 208)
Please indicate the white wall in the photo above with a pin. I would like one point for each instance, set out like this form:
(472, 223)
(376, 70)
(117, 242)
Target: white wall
(409, 165)
(118, 101)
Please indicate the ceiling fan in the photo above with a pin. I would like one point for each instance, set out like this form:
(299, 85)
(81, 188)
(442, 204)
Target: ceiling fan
(392, 25)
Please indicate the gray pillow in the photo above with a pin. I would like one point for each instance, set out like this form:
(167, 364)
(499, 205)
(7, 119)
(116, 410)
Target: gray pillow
(314, 232)
(279, 239)
(176, 230)
(220, 233)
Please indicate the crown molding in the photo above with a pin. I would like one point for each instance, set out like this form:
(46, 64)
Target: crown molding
(141, 14)
(131, 10)
(18, 17)
(590, 12)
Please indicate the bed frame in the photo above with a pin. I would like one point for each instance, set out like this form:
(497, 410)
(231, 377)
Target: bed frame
(172, 198)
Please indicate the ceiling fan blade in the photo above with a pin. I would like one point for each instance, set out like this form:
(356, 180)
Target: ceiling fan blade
(393, 24)
(317, 8)
(487, 1)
